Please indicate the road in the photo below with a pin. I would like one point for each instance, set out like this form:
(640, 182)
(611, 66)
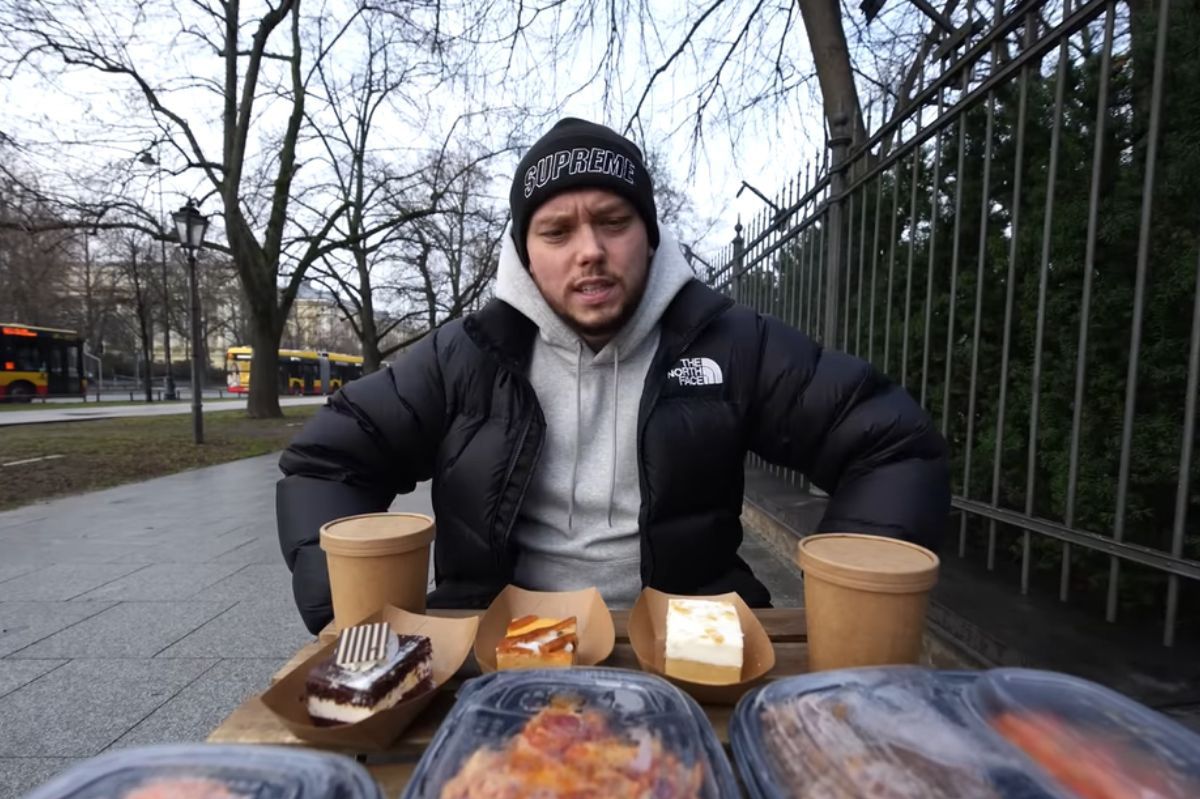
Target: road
(81, 412)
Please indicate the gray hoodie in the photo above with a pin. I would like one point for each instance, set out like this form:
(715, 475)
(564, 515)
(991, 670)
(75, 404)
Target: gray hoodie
(578, 525)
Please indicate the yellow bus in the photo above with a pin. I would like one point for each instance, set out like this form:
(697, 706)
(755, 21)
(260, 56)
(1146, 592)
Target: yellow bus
(40, 362)
(300, 371)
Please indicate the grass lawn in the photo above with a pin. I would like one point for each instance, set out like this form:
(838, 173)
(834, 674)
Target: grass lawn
(108, 452)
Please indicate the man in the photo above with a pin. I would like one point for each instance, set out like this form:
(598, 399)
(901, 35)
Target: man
(589, 425)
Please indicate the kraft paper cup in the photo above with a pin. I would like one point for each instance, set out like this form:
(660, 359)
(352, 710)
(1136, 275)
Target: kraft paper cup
(376, 560)
(866, 599)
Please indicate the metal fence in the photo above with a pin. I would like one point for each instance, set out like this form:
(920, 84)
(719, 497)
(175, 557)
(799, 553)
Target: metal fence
(1018, 244)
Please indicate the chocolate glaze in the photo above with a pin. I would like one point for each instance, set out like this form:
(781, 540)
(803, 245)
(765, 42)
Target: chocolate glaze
(327, 680)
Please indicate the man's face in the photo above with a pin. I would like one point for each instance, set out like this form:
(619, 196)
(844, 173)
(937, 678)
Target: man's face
(589, 255)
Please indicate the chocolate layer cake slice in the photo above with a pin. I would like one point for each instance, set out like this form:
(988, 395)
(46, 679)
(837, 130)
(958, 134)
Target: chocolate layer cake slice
(372, 669)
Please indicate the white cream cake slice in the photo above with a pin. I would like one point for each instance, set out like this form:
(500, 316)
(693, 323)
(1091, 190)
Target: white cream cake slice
(704, 641)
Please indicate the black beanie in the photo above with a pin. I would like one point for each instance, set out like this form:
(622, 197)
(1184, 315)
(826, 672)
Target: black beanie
(577, 154)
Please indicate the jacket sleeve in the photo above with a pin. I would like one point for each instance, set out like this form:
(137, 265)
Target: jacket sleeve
(375, 438)
(858, 436)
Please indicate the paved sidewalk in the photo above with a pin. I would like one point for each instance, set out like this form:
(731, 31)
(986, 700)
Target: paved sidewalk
(146, 613)
(82, 412)
(140, 614)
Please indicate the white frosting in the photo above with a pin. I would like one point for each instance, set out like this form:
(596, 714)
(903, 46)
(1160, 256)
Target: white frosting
(704, 631)
(345, 713)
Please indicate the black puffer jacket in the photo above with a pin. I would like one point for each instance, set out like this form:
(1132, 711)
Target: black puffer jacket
(457, 409)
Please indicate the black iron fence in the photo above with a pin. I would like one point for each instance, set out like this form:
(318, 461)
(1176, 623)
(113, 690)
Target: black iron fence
(1018, 244)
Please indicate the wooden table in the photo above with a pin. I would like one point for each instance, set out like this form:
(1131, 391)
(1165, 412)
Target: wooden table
(251, 722)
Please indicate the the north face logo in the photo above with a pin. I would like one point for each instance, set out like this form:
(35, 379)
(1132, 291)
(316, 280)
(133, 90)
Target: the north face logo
(696, 372)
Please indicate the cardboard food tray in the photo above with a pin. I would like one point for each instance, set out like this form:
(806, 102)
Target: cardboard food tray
(451, 642)
(648, 637)
(597, 636)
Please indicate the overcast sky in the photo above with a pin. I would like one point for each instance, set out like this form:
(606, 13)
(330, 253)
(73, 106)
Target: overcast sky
(104, 121)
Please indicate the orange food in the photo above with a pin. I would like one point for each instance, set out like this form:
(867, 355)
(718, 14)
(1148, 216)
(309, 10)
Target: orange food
(532, 642)
(183, 788)
(1093, 766)
(563, 753)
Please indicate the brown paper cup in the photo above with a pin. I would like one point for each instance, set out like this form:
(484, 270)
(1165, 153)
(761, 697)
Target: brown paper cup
(648, 637)
(375, 560)
(451, 642)
(594, 623)
(866, 598)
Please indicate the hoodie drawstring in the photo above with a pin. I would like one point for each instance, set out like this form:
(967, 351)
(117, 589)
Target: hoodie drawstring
(612, 462)
(578, 425)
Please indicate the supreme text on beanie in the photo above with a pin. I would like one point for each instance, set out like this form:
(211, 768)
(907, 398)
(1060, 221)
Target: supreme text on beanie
(579, 154)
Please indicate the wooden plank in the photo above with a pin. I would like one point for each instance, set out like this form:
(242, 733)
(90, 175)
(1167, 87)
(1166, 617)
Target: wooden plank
(392, 777)
(781, 624)
(251, 722)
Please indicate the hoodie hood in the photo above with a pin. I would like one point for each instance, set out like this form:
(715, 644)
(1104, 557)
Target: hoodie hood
(668, 273)
(578, 523)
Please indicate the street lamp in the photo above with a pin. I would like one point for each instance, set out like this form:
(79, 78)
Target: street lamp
(190, 225)
(156, 161)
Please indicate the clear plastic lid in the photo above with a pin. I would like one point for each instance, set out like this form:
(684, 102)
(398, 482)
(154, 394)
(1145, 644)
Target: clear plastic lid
(581, 732)
(899, 733)
(211, 771)
(1093, 741)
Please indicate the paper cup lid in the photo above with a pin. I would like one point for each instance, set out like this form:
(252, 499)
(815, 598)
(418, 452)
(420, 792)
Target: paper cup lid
(373, 534)
(868, 562)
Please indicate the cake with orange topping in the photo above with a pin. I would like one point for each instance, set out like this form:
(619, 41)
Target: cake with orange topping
(704, 641)
(534, 642)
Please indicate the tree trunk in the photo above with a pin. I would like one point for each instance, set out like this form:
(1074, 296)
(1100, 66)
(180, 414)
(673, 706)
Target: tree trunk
(147, 360)
(264, 369)
(372, 358)
(827, 40)
(369, 330)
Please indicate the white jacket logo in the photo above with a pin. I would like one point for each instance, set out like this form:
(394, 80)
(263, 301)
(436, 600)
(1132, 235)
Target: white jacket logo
(696, 372)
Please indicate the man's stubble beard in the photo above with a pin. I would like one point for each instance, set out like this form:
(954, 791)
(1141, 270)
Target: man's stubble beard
(609, 330)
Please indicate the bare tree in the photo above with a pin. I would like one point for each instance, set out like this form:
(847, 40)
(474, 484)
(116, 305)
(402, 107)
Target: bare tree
(140, 291)
(262, 64)
(387, 206)
(433, 268)
(32, 263)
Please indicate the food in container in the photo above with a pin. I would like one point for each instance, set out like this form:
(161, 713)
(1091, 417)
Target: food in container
(211, 771)
(648, 639)
(372, 669)
(570, 751)
(704, 641)
(450, 641)
(584, 733)
(1092, 741)
(537, 642)
(595, 635)
(892, 733)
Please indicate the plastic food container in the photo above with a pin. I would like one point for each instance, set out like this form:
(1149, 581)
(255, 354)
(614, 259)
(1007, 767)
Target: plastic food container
(210, 771)
(1095, 742)
(895, 732)
(574, 719)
